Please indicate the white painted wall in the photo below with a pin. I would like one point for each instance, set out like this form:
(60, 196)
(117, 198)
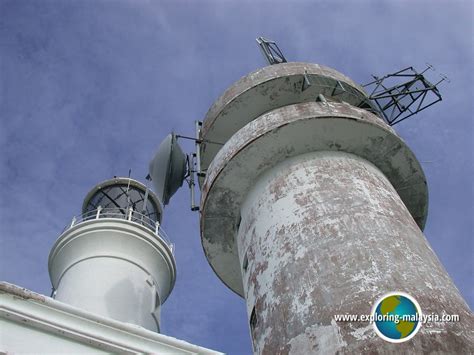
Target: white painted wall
(114, 268)
(33, 323)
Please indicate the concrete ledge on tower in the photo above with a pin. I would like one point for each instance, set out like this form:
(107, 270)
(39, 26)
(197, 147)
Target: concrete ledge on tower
(287, 132)
(269, 88)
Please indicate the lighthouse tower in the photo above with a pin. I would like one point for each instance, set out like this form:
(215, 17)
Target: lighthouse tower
(114, 260)
(314, 207)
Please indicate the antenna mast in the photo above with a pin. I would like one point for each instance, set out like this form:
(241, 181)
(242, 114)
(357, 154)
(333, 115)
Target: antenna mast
(404, 93)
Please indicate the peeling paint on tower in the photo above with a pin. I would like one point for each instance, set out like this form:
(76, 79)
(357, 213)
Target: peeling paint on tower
(315, 208)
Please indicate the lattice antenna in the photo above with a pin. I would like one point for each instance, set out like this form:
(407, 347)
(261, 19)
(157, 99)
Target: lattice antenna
(271, 51)
(404, 93)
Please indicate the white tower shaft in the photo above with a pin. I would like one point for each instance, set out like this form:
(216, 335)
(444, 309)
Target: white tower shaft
(323, 234)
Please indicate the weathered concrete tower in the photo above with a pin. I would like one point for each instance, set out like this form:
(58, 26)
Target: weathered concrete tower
(314, 207)
(114, 260)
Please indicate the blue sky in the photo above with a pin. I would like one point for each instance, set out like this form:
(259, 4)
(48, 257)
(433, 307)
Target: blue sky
(88, 89)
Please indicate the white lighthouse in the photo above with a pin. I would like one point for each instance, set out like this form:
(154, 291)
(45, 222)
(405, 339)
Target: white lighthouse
(114, 260)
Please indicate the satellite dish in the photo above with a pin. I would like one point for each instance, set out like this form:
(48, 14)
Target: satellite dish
(168, 168)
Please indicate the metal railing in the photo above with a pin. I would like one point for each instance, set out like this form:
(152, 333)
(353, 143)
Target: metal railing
(126, 214)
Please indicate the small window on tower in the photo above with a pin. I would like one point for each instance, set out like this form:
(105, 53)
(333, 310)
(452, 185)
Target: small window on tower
(237, 225)
(157, 301)
(253, 320)
(253, 325)
(245, 264)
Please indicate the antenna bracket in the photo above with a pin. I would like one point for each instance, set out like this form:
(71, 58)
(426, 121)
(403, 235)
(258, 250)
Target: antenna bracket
(403, 94)
(271, 51)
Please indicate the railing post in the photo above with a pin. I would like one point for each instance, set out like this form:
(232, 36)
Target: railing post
(73, 221)
(99, 209)
(157, 228)
(130, 211)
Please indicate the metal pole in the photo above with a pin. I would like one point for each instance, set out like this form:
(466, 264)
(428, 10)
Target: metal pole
(198, 148)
